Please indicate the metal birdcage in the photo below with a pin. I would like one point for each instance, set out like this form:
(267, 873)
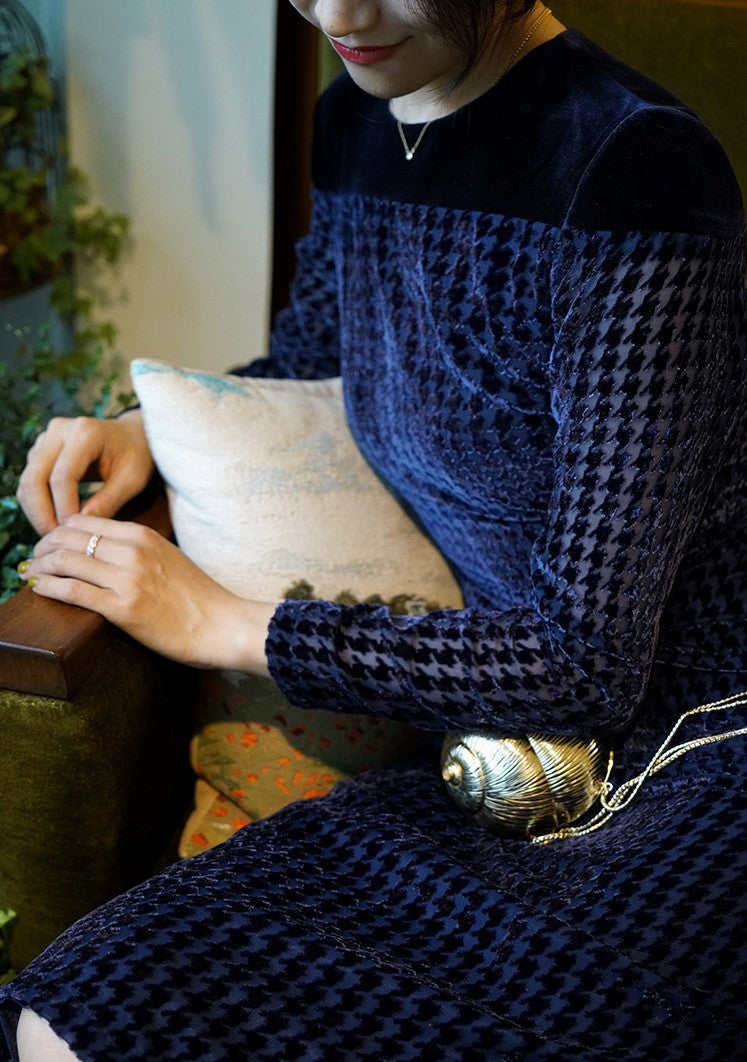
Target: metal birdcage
(29, 133)
(18, 29)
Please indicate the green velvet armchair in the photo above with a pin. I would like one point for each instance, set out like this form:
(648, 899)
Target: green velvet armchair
(94, 778)
(93, 729)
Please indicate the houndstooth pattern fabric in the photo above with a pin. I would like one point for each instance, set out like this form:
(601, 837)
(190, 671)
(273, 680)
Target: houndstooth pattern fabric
(562, 407)
(317, 936)
(623, 393)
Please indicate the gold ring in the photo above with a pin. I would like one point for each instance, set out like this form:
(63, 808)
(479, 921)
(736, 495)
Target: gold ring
(92, 544)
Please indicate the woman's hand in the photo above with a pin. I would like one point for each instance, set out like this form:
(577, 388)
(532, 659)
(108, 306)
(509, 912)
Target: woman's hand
(145, 585)
(72, 451)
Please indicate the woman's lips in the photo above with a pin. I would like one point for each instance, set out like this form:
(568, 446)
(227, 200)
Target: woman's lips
(365, 56)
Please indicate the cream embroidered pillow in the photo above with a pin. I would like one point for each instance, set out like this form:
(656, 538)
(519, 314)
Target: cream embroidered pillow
(266, 488)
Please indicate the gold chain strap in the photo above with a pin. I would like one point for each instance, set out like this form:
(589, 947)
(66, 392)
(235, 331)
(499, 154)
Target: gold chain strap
(614, 802)
(534, 26)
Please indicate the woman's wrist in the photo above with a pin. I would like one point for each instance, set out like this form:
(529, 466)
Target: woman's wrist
(242, 642)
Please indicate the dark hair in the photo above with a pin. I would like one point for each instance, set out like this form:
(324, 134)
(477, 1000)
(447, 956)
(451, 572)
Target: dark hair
(463, 22)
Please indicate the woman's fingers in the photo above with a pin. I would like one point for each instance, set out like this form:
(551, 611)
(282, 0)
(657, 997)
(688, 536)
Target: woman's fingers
(68, 566)
(64, 546)
(65, 453)
(83, 445)
(33, 485)
(99, 564)
(76, 532)
(145, 585)
(56, 464)
(80, 592)
(78, 566)
(125, 463)
(110, 498)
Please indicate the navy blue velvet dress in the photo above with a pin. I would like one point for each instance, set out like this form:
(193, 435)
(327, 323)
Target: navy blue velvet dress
(539, 322)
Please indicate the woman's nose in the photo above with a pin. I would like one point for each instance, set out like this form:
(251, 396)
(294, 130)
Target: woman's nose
(343, 18)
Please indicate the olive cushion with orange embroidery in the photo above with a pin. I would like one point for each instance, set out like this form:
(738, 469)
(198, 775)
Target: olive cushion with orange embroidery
(253, 753)
(267, 489)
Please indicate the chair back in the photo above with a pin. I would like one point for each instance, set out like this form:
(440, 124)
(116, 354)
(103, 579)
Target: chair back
(694, 48)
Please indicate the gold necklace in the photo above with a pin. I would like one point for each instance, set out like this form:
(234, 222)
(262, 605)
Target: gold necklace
(410, 151)
(535, 25)
(544, 13)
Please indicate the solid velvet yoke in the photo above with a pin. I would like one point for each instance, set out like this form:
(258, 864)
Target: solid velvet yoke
(539, 322)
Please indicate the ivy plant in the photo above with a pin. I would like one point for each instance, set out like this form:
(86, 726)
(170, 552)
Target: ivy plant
(67, 242)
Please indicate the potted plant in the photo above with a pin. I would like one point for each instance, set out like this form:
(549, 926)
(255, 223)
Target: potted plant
(49, 234)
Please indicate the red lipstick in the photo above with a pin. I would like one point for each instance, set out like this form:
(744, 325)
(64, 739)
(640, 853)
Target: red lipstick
(365, 56)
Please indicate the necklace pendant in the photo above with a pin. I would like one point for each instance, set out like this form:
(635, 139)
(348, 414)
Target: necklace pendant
(410, 149)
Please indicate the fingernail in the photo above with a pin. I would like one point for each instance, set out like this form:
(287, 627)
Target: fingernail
(33, 581)
(23, 567)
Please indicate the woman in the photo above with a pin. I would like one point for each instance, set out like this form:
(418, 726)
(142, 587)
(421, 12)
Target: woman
(526, 261)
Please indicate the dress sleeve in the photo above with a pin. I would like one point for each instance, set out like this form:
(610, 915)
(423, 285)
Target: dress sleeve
(304, 342)
(646, 378)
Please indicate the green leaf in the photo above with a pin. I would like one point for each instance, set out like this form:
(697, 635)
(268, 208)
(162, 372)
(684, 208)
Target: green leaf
(48, 239)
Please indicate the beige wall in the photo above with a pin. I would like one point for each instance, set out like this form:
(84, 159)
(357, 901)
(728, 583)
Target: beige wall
(170, 109)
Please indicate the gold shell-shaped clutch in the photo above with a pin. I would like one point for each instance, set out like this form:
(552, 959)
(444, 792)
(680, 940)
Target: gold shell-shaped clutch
(523, 786)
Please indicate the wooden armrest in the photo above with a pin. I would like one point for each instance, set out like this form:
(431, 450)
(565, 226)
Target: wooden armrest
(46, 647)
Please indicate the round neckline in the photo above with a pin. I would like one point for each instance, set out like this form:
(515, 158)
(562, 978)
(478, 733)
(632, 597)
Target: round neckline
(489, 92)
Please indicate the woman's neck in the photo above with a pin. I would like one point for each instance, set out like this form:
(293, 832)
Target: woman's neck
(504, 48)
